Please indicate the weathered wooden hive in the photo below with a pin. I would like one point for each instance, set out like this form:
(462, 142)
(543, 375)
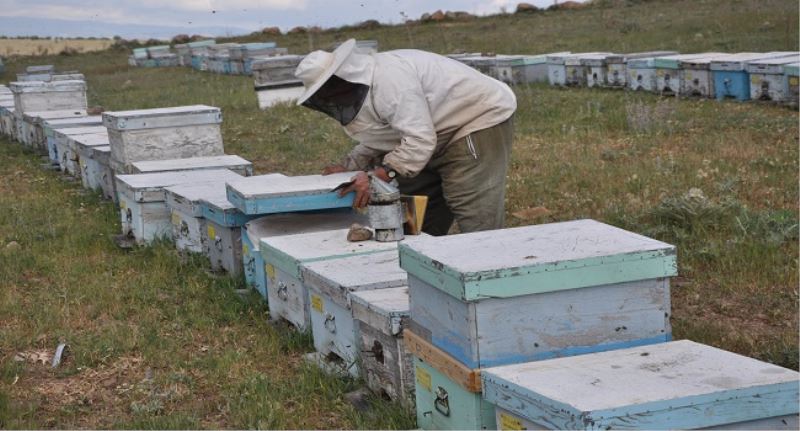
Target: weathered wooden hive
(186, 213)
(791, 80)
(696, 78)
(731, 80)
(283, 257)
(531, 293)
(329, 284)
(286, 224)
(520, 69)
(575, 69)
(142, 200)
(184, 53)
(34, 135)
(70, 161)
(616, 66)
(232, 162)
(36, 73)
(767, 78)
(37, 96)
(386, 364)
(163, 133)
(7, 116)
(274, 79)
(668, 71)
(62, 138)
(676, 385)
(595, 65)
(50, 126)
(96, 174)
(261, 195)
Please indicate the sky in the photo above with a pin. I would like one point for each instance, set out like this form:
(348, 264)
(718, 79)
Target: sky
(231, 16)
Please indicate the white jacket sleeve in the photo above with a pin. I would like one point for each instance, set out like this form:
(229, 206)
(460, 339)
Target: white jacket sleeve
(403, 105)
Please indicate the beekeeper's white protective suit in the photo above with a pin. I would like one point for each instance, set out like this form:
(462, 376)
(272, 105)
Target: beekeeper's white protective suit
(417, 106)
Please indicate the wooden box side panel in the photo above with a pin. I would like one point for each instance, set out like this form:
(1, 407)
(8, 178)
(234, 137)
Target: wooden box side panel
(386, 365)
(463, 410)
(166, 143)
(287, 296)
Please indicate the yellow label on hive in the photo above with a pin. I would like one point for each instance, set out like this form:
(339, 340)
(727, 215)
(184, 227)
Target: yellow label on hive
(423, 378)
(122, 204)
(508, 422)
(754, 79)
(660, 72)
(316, 303)
(245, 249)
(794, 80)
(212, 234)
(176, 219)
(270, 270)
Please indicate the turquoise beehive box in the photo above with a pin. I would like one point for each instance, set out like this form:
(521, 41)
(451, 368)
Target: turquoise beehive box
(677, 385)
(255, 196)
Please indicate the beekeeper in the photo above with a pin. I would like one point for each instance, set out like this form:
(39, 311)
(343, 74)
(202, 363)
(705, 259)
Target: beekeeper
(439, 127)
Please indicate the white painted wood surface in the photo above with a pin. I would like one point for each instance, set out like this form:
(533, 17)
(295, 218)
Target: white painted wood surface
(162, 117)
(295, 223)
(150, 187)
(646, 387)
(263, 188)
(235, 163)
(178, 142)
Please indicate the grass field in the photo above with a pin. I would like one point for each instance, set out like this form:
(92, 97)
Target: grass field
(43, 47)
(157, 342)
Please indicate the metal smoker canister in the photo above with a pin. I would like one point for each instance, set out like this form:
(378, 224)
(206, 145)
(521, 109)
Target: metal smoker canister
(385, 211)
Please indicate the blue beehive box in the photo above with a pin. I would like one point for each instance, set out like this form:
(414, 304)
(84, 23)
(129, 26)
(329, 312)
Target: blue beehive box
(286, 224)
(259, 196)
(677, 385)
(731, 80)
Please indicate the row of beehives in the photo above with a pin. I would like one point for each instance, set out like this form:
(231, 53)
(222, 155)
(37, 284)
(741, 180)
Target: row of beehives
(562, 325)
(769, 76)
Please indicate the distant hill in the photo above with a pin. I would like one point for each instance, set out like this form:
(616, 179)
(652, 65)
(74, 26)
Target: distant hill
(23, 26)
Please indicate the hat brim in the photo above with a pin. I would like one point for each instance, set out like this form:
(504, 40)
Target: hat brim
(340, 54)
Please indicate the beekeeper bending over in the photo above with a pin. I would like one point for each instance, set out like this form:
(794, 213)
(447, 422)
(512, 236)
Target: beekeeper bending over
(441, 128)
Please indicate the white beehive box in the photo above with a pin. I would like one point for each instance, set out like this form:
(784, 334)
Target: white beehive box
(234, 163)
(642, 74)
(51, 126)
(36, 121)
(62, 138)
(286, 224)
(96, 173)
(521, 69)
(791, 79)
(677, 385)
(537, 292)
(269, 195)
(767, 78)
(163, 133)
(186, 213)
(274, 80)
(696, 79)
(142, 200)
(81, 153)
(48, 96)
(386, 365)
(616, 66)
(595, 65)
(329, 284)
(668, 71)
(576, 70)
(283, 257)
(71, 157)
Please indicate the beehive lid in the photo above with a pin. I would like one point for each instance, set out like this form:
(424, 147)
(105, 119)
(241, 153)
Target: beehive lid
(102, 152)
(68, 77)
(294, 223)
(45, 68)
(536, 259)
(56, 115)
(391, 302)
(771, 65)
(355, 273)
(219, 209)
(187, 197)
(622, 58)
(75, 131)
(676, 385)
(277, 62)
(201, 43)
(791, 69)
(674, 61)
(162, 117)
(150, 187)
(576, 59)
(90, 140)
(738, 62)
(595, 59)
(41, 86)
(208, 162)
(642, 63)
(259, 195)
(88, 120)
(258, 45)
(290, 251)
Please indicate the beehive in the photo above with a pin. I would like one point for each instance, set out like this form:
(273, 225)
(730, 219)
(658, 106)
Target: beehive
(575, 69)
(37, 96)
(616, 66)
(731, 80)
(677, 385)
(668, 71)
(36, 123)
(81, 154)
(142, 200)
(641, 74)
(70, 159)
(7, 122)
(329, 284)
(274, 79)
(595, 65)
(36, 73)
(286, 224)
(791, 81)
(96, 173)
(767, 78)
(613, 281)
(184, 54)
(696, 78)
(386, 365)
(261, 195)
(223, 232)
(283, 257)
(234, 163)
(61, 139)
(163, 133)
(50, 126)
(521, 69)
(186, 212)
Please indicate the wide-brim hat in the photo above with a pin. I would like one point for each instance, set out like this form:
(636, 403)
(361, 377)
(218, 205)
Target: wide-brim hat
(319, 66)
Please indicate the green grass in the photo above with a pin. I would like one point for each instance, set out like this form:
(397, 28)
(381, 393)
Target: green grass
(157, 342)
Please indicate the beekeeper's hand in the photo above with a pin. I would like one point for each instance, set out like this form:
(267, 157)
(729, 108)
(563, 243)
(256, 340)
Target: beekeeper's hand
(333, 169)
(361, 187)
